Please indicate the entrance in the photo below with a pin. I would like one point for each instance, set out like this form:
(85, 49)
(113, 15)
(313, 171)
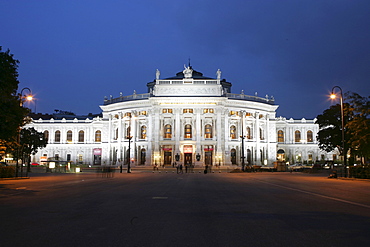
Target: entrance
(167, 158)
(188, 158)
(208, 158)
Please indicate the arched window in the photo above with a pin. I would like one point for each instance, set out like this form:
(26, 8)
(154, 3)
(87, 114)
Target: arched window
(46, 135)
(233, 132)
(128, 132)
(69, 136)
(249, 135)
(57, 136)
(280, 136)
(81, 136)
(208, 131)
(143, 132)
(168, 131)
(98, 136)
(188, 132)
(262, 137)
(309, 136)
(297, 136)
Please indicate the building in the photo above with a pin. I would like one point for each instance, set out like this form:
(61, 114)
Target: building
(188, 118)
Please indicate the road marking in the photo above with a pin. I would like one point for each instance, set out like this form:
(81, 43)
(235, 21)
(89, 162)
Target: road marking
(315, 194)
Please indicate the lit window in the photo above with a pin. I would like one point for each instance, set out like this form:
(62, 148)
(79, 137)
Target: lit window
(233, 132)
(143, 132)
(208, 131)
(167, 131)
(188, 132)
(81, 136)
(280, 136)
(98, 136)
(249, 135)
(69, 136)
(187, 111)
(297, 136)
(309, 136)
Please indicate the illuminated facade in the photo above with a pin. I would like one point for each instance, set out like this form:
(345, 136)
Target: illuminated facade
(188, 118)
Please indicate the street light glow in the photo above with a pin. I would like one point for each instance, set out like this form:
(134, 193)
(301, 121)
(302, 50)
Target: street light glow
(333, 96)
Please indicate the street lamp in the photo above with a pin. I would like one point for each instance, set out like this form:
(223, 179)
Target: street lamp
(27, 97)
(242, 136)
(333, 96)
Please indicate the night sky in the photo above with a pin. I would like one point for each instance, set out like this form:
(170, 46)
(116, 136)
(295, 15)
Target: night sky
(73, 53)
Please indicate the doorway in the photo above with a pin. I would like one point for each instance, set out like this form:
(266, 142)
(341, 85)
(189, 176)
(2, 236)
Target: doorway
(188, 158)
(208, 158)
(167, 158)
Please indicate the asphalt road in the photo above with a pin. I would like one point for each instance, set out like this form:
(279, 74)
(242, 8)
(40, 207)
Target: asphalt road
(196, 209)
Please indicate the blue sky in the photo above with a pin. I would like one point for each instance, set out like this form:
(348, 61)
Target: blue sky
(73, 53)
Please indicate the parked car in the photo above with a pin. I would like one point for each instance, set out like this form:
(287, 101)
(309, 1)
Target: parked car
(35, 164)
(3, 163)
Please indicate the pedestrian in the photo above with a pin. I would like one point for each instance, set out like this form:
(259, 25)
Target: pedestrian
(181, 168)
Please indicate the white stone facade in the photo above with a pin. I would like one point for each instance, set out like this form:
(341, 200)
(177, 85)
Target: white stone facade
(189, 117)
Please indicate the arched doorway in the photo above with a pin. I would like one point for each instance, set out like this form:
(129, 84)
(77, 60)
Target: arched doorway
(280, 155)
(233, 156)
(142, 156)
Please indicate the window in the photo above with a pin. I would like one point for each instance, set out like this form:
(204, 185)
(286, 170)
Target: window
(128, 114)
(188, 132)
(115, 137)
(98, 136)
(334, 157)
(310, 157)
(166, 110)
(261, 134)
(234, 113)
(128, 132)
(68, 157)
(80, 158)
(46, 135)
(208, 110)
(208, 131)
(69, 136)
(167, 131)
(309, 136)
(187, 111)
(233, 132)
(144, 113)
(57, 136)
(81, 136)
(249, 135)
(143, 132)
(280, 136)
(297, 136)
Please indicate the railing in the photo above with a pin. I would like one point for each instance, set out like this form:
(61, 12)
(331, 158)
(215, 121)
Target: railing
(267, 100)
(270, 100)
(126, 98)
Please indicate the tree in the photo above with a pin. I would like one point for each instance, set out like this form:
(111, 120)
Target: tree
(356, 127)
(30, 141)
(330, 125)
(12, 115)
(359, 124)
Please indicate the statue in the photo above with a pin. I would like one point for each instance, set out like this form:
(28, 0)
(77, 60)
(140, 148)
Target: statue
(157, 74)
(218, 73)
(188, 72)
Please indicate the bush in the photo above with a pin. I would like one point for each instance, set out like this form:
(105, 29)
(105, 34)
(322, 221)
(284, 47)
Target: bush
(7, 171)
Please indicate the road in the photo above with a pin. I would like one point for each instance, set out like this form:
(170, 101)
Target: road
(196, 209)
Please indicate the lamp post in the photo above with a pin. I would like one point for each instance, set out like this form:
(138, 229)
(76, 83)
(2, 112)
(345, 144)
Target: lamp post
(242, 136)
(22, 97)
(129, 146)
(333, 96)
